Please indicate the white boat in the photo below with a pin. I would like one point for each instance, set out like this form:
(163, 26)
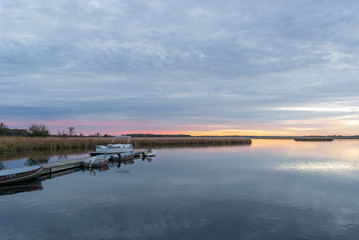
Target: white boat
(97, 161)
(114, 148)
(149, 153)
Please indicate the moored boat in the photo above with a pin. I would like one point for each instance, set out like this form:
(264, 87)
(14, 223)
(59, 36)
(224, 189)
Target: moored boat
(97, 161)
(113, 148)
(19, 174)
(126, 155)
(149, 153)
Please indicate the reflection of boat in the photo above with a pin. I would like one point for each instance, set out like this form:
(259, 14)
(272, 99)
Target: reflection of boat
(149, 153)
(126, 162)
(114, 148)
(27, 186)
(97, 161)
(100, 169)
(19, 174)
(148, 159)
(104, 168)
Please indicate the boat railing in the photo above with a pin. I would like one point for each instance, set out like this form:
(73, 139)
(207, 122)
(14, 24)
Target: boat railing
(128, 141)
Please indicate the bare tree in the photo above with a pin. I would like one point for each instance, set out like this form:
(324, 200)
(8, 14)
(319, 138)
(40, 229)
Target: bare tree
(71, 130)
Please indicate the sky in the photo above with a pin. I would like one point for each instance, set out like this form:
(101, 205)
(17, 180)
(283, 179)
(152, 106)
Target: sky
(199, 67)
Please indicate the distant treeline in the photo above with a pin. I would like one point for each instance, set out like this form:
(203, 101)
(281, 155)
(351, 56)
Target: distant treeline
(13, 132)
(40, 130)
(35, 130)
(156, 135)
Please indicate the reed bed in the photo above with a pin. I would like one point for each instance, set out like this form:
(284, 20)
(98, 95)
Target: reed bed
(315, 139)
(189, 141)
(23, 144)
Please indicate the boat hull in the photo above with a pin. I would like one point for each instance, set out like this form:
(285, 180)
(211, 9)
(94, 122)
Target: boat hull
(19, 175)
(149, 153)
(98, 161)
(125, 156)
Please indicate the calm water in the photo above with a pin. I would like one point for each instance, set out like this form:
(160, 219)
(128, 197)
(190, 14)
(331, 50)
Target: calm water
(273, 189)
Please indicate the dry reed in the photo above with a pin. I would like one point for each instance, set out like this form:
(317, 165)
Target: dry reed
(22, 144)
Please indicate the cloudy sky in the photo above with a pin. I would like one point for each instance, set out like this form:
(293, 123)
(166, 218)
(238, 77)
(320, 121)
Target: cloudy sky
(247, 67)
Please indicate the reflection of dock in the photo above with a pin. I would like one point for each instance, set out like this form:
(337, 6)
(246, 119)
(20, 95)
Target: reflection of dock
(59, 173)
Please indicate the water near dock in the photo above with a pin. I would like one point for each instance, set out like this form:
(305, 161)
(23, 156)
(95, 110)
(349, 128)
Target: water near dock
(271, 189)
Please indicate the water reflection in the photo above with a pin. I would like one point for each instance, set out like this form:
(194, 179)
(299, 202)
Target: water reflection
(117, 165)
(347, 149)
(93, 170)
(39, 154)
(335, 167)
(35, 184)
(148, 159)
(37, 161)
(59, 174)
(26, 186)
(259, 192)
(9, 161)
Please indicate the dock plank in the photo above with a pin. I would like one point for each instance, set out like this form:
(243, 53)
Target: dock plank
(53, 167)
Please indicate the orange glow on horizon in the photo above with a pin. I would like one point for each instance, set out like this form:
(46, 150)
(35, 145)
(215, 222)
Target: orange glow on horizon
(345, 126)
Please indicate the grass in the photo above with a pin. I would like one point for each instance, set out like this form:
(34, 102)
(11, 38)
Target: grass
(23, 144)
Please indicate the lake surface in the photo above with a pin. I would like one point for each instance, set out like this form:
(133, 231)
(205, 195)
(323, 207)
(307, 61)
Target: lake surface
(272, 189)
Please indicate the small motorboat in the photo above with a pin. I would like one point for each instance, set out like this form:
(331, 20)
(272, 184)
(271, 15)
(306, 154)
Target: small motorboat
(19, 174)
(126, 155)
(97, 161)
(149, 153)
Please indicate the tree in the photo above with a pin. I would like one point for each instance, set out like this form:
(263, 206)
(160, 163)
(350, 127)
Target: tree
(3, 129)
(38, 130)
(71, 130)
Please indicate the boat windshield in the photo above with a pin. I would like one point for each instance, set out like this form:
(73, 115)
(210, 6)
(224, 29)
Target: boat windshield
(128, 141)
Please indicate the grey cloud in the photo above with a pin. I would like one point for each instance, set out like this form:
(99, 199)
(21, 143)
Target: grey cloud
(203, 60)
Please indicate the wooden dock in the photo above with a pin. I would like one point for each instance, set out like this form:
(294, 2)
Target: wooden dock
(56, 167)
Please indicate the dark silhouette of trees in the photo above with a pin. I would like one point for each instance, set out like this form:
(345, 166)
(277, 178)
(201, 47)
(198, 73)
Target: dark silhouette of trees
(38, 130)
(6, 131)
(3, 129)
